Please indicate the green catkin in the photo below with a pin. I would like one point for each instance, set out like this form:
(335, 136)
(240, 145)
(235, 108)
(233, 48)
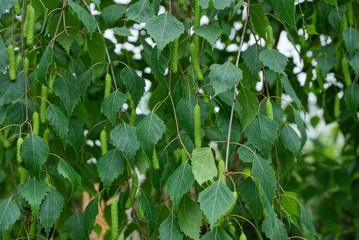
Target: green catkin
(350, 14)
(243, 236)
(6, 235)
(174, 56)
(197, 126)
(20, 140)
(114, 219)
(23, 174)
(194, 52)
(269, 32)
(108, 82)
(155, 162)
(346, 72)
(196, 14)
(319, 78)
(269, 109)
(184, 156)
(222, 176)
(182, 4)
(133, 117)
(4, 141)
(34, 219)
(132, 195)
(12, 62)
(36, 123)
(30, 15)
(18, 60)
(17, 8)
(51, 83)
(27, 65)
(103, 140)
(336, 106)
(46, 135)
(140, 211)
(43, 103)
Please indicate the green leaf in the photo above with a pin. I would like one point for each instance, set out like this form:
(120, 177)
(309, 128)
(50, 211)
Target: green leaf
(90, 215)
(251, 195)
(351, 98)
(251, 59)
(285, 10)
(110, 166)
(189, 218)
(170, 230)
(274, 59)
(141, 11)
(224, 77)
(67, 91)
(65, 170)
(149, 131)
(204, 167)
(74, 226)
(301, 128)
(217, 4)
(84, 81)
(217, 233)
(215, 201)
(50, 210)
(274, 228)
(290, 204)
(306, 219)
(159, 64)
(261, 133)
(259, 19)
(149, 210)
(134, 83)
(9, 213)
(209, 32)
(124, 138)
(290, 91)
(179, 182)
(76, 137)
(6, 5)
(326, 61)
(11, 91)
(351, 39)
(86, 18)
(332, 2)
(263, 172)
(34, 152)
(310, 29)
(248, 102)
(112, 13)
(354, 62)
(97, 48)
(3, 56)
(33, 191)
(290, 139)
(112, 104)
(58, 121)
(122, 31)
(44, 64)
(247, 153)
(164, 29)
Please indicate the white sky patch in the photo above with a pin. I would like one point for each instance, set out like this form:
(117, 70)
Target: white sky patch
(142, 107)
(124, 107)
(98, 143)
(232, 47)
(204, 20)
(216, 109)
(161, 10)
(148, 85)
(147, 70)
(110, 36)
(90, 143)
(93, 10)
(122, 1)
(219, 45)
(150, 42)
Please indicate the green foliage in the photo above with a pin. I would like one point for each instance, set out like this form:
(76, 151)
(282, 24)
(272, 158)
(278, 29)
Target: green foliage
(200, 88)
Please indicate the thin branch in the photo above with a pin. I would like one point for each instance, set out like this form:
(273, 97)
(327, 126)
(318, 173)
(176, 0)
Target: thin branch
(234, 89)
